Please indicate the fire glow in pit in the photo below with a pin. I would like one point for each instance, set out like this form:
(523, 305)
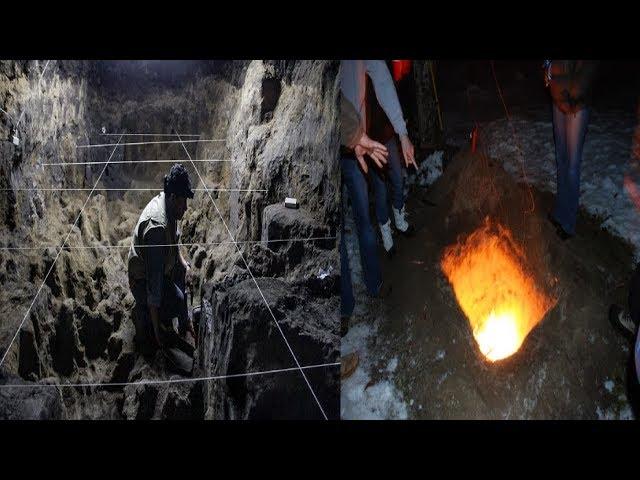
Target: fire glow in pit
(500, 299)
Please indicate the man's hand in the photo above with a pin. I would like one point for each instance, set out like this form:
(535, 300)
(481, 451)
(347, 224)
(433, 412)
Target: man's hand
(377, 151)
(191, 330)
(407, 151)
(188, 275)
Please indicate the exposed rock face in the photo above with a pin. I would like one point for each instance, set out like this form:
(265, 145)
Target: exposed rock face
(245, 338)
(28, 403)
(277, 123)
(291, 152)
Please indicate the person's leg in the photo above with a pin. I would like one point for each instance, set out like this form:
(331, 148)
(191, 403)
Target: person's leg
(396, 181)
(357, 187)
(396, 177)
(174, 303)
(562, 163)
(346, 288)
(141, 319)
(379, 181)
(576, 133)
(379, 184)
(180, 280)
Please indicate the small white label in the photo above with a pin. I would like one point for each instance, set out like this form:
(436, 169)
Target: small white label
(290, 202)
(16, 140)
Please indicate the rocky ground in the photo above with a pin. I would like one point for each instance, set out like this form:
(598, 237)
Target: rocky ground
(278, 124)
(573, 365)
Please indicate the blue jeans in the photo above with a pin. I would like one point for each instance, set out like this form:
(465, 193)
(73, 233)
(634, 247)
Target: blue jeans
(356, 183)
(637, 355)
(569, 131)
(396, 180)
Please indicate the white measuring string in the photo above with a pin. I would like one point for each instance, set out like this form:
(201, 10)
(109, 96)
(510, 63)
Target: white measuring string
(257, 286)
(89, 247)
(145, 135)
(161, 382)
(125, 189)
(150, 143)
(202, 160)
(54, 262)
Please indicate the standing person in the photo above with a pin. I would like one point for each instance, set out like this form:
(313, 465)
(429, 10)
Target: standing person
(392, 177)
(353, 137)
(353, 76)
(158, 273)
(570, 83)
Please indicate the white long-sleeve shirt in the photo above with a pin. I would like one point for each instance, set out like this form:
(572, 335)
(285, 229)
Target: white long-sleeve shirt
(353, 83)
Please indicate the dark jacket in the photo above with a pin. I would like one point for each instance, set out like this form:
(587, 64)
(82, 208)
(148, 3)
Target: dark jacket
(572, 83)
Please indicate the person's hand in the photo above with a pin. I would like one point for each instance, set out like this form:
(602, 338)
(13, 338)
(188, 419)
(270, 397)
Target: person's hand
(377, 151)
(566, 102)
(191, 330)
(407, 151)
(188, 276)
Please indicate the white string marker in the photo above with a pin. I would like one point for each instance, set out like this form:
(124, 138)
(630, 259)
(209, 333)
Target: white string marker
(156, 382)
(202, 244)
(123, 189)
(204, 160)
(145, 135)
(149, 143)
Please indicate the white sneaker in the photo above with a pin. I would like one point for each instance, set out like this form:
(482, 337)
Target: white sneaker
(387, 239)
(399, 217)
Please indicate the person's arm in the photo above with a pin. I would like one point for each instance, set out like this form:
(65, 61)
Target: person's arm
(388, 100)
(154, 268)
(386, 94)
(352, 136)
(186, 266)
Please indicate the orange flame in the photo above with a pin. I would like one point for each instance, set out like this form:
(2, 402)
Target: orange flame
(501, 301)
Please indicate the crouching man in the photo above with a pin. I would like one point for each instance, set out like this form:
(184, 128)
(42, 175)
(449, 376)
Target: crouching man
(158, 273)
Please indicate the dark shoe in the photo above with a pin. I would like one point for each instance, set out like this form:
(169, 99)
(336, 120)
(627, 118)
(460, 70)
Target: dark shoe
(348, 365)
(562, 234)
(621, 320)
(178, 361)
(171, 339)
(390, 253)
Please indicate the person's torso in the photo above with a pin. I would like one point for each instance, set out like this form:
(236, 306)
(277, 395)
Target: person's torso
(353, 77)
(153, 216)
(570, 79)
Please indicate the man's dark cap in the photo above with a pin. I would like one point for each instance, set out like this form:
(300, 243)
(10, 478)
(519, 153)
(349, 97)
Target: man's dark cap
(178, 182)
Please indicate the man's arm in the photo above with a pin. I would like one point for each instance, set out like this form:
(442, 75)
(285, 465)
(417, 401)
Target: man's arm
(386, 94)
(352, 136)
(388, 100)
